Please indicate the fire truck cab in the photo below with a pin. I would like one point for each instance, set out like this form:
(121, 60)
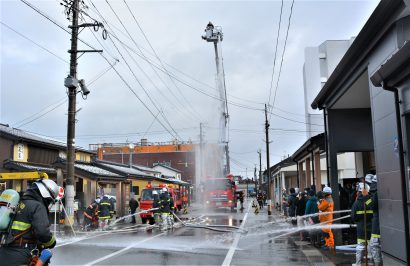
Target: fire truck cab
(220, 192)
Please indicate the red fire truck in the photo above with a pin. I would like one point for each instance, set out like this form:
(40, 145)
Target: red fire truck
(147, 200)
(220, 192)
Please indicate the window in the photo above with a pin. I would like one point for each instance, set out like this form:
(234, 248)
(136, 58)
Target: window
(136, 190)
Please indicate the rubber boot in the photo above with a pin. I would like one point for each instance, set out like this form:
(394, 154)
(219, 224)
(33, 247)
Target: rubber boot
(376, 252)
(359, 253)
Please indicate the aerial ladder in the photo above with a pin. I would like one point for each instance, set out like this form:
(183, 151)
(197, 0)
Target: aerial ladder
(214, 34)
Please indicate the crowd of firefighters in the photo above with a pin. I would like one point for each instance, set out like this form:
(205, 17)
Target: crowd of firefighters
(101, 211)
(302, 206)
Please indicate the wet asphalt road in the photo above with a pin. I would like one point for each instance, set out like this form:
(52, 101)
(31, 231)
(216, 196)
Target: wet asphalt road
(188, 246)
(181, 246)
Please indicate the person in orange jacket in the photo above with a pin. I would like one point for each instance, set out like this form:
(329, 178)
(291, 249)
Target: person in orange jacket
(327, 205)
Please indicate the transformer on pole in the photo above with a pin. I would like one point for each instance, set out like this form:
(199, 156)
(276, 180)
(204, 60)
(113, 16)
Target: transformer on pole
(214, 34)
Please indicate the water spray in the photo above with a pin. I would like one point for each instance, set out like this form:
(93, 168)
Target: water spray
(130, 215)
(212, 227)
(68, 217)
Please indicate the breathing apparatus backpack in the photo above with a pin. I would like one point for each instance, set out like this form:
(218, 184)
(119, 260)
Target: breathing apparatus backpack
(9, 201)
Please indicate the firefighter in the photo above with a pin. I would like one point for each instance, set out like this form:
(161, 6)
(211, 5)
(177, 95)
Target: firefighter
(375, 248)
(133, 207)
(156, 204)
(30, 233)
(241, 199)
(171, 212)
(358, 216)
(89, 215)
(104, 211)
(164, 209)
(259, 198)
(326, 205)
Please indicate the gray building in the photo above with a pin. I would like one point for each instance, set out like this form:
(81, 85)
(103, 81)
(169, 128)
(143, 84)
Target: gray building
(366, 102)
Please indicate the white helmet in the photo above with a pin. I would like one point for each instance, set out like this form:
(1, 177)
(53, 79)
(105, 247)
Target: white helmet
(154, 192)
(97, 200)
(49, 189)
(374, 179)
(164, 189)
(360, 187)
(327, 190)
(368, 178)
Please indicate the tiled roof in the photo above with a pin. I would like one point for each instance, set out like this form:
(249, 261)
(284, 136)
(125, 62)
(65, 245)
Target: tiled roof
(34, 137)
(145, 168)
(95, 170)
(124, 169)
(168, 167)
(29, 167)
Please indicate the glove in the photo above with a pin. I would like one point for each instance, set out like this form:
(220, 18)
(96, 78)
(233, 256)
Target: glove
(45, 255)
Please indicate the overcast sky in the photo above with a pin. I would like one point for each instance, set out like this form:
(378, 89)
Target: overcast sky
(33, 96)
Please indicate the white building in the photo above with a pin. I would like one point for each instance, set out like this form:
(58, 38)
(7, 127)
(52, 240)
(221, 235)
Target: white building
(319, 64)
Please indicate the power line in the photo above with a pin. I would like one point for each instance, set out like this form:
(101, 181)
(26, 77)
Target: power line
(58, 102)
(39, 45)
(159, 59)
(276, 49)
(55, 107)
(283, 53)
(138, 81)
(120, 135)
(149, 61)
(146, 75)
(138, 47)
(116, 71)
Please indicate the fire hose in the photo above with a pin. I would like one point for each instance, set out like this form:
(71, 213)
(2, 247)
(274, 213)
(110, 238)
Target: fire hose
(212, 227)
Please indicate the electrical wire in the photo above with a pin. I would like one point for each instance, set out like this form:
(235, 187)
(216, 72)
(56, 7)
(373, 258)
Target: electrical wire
(39, 45)
(149, 61)
(58, 103)
(276, 49)
(160, 61)
(148, 95)
(105, 58)
(138, 47)
(283, 53)
(55, 107)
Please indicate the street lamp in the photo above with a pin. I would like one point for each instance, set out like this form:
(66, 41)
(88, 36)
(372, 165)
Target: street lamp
(131, 146)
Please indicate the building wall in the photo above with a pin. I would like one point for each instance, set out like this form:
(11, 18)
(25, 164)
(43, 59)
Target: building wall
(387, 159)
(183, 161)
(42, 155)
(6, 151)
(320, 62)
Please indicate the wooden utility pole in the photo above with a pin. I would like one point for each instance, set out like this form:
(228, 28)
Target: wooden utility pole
(72, 84)
(267, 160)
(72, 93)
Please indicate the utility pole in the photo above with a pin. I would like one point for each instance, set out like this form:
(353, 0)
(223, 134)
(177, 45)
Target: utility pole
(131, 148)
(72, 93)
(267, 160)
(201, 154)
(72, 84)
(256, 180)
(214, 34)
(247, 183)
(260, 169)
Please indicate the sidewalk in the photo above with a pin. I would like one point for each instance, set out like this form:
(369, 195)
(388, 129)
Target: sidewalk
(263, 245)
